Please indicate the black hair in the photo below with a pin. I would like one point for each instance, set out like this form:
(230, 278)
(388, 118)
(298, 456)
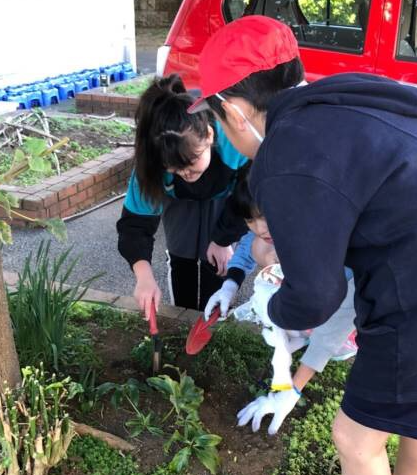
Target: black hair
(167, 136)
(241, 202)
(260, 87)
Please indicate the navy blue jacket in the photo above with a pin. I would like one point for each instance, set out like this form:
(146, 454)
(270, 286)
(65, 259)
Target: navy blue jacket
(336, 179)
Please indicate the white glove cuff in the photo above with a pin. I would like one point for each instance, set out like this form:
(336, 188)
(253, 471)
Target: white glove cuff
(230, 285)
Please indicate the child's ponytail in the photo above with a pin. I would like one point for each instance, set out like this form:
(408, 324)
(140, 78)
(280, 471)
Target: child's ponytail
(165, 134)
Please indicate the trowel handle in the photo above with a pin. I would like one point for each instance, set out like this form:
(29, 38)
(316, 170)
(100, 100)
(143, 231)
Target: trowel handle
(153, 327)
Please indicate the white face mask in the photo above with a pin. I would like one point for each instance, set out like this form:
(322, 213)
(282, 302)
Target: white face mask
(240, 112)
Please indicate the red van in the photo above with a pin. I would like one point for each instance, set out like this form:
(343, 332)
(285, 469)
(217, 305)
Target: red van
(373, 36)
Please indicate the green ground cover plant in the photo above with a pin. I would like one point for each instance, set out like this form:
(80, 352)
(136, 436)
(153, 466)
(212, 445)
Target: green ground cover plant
(134, 88)
(225, 354)
(91, 456)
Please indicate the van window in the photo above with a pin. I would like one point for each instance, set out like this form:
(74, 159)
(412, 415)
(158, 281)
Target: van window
(326, 24)
(407, 39)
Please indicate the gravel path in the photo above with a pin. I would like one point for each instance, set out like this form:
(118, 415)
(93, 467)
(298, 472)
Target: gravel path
(94, 239)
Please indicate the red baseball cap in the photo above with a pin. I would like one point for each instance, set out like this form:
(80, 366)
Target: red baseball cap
(244, 46)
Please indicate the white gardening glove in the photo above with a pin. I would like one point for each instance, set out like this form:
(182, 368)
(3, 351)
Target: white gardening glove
(279, 404)
(223, 297)
(262, 293)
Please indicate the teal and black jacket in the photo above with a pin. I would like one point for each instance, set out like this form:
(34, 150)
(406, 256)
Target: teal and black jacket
(193, 214)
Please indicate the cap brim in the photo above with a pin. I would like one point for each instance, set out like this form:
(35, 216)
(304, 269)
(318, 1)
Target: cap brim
(198, 106)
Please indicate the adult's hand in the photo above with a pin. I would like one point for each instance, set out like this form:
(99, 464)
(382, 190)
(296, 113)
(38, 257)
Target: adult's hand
(279, 404)
(146, 290)
(219, 256)
(223, 297)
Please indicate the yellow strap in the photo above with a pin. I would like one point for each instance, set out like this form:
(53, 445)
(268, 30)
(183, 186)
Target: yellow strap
(281, 387)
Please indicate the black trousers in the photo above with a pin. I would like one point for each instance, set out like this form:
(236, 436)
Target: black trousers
(183, 278)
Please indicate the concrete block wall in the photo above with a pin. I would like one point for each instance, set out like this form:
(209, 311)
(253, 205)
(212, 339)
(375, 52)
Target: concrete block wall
(155, 13)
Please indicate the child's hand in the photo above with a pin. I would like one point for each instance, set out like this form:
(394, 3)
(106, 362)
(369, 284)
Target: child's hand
(279, 404)
(219, 256)
(146, 289)
(223, 297)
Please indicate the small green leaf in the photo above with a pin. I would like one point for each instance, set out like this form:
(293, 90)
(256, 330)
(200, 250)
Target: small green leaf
(74, 389)
(180, 460)
(5, 233)
(209, 457)
(35, 146)
(37, 164)
(19, 156)
(208, 440)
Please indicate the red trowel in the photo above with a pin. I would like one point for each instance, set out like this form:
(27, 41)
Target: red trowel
(200, 334)
(157, 343)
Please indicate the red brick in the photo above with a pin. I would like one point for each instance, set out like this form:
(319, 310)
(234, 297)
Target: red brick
(85, 182)
(84, 107)
(102, 194)
(68, 191)
(74, 171)
(68, 212)
(97, 188)
(78, 198)
(32, 203)
(88, 202)
(101, 177)
(63, 205)
(54, 180)
(38, 214)
(54, 210)
(49, 198)
(90, 164)
(133, 100)
(114, 179)
(97, 97)
(90, 192)
(82, 96)
(119, 99)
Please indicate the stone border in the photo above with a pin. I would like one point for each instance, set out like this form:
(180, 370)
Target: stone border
(123, 302)
(103, 103)
(74, 190)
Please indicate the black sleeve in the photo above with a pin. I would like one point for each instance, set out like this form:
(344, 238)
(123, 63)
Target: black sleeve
(229, 228)
(236, 274)
(136, 236)
(310, 223)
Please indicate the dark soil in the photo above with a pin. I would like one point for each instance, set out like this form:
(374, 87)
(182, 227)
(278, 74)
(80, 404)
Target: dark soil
(242, 452)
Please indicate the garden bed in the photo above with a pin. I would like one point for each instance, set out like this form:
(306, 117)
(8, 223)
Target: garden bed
(121, 99)
(232, 370)
(93, 166)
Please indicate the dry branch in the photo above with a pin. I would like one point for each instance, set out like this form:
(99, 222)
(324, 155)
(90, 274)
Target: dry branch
(112, 440)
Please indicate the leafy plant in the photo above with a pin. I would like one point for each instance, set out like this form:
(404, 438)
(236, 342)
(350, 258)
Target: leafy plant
(33, 156)
(130, 393)
(40, 305)
(190, 433)
(35, 429)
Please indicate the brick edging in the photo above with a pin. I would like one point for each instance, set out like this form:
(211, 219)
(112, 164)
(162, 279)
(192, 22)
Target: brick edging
(123, 302)
(103, 103)
(74, 190)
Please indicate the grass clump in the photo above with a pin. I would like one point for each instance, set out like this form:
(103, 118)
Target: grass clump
(236, 352)
(135, 88)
